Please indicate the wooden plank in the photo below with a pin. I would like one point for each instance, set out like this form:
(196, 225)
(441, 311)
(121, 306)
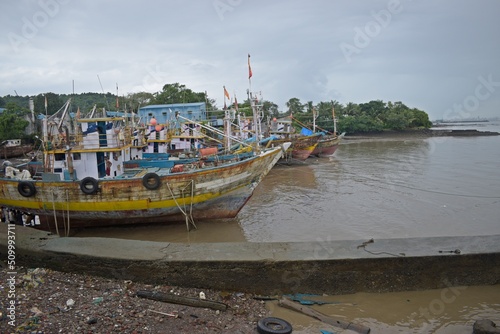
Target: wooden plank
(171, 298)
(288, 303)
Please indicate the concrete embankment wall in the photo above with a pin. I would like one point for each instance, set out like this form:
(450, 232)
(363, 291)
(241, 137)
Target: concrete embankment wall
(334, 267)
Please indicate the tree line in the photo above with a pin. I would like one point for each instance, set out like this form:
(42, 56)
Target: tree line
(372, 116)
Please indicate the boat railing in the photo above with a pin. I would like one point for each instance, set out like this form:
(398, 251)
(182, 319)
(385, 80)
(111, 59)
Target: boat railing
(114, 138)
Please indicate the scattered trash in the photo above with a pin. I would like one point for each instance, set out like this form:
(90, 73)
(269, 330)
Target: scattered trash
(70, 302)
(37, 311)
(163, 313)
(92, 321)
(285, 302)
(304, 299)
(97, 300)
(202, 295)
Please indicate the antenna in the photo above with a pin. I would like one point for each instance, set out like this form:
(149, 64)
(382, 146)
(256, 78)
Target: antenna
(107, 104)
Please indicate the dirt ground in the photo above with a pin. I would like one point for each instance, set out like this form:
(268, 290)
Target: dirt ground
(54, 302)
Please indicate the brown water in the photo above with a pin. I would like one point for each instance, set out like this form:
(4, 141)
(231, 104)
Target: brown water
(445, 311)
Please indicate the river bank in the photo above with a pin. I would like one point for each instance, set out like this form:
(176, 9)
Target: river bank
(419, 134)
(49, 301)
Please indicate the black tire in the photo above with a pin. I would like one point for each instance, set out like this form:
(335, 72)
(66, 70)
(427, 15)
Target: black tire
(26, 189)
(151, 181)
(89, 185)
(273, 325)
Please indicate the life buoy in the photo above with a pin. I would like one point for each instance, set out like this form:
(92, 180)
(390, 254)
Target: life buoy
(89, 185)
(151, 181)
(26, 189)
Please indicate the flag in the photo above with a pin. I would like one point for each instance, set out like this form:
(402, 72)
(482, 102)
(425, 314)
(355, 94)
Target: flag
(45, 102)
(226, 94)
(235, 103)
(249, 68)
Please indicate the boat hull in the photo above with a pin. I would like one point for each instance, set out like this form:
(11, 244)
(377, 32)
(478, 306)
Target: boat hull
(15, 151)
(301, 147)
(327, 146)
(210, 193)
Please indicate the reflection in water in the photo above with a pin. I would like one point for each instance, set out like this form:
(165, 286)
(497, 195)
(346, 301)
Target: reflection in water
(223, 230)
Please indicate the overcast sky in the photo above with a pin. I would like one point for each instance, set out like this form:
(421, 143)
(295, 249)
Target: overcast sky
(441, 56)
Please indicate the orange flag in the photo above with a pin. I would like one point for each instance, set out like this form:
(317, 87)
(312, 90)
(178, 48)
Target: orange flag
(226, 94)
(249, 68)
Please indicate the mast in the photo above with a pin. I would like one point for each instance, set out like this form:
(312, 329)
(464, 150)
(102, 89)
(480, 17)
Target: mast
(334, 121)
(314, 119)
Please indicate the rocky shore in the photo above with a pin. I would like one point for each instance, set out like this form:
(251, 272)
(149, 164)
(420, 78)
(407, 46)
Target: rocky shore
(54, 302)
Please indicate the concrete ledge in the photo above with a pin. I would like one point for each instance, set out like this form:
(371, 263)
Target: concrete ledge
(333, 267)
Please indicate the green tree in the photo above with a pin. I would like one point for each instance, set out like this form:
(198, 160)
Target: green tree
(135, 101)
(54, 103)
(12, 122)
(294, 106)
(177, 93)
(270, 109)
(420, 119)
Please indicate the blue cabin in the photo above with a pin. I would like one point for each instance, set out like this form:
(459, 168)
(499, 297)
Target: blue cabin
(166, 112)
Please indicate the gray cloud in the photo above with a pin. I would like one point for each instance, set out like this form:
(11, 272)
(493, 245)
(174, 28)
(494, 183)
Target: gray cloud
(428, 54)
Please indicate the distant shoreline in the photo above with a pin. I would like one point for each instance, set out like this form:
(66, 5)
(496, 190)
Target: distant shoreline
(420, 133)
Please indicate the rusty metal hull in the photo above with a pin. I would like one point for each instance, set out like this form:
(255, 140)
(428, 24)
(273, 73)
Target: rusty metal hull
(209, 193)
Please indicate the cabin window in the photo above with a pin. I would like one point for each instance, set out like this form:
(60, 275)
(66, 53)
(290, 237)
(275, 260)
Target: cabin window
(77, 156)
(60, 156)
(58, 170)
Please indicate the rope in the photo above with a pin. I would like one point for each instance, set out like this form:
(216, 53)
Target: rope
(364, 244)
(55, 217)
(189, 217)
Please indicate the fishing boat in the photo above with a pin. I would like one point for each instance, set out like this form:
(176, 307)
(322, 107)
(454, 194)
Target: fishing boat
(13, 148)
(329, 141)
(327, 145)
(303, 144)
(88, 178)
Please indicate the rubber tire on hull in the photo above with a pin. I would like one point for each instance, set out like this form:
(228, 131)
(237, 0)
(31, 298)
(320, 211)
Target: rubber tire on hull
(26, 189)
(273, 325)
(89, 185)
(151, 181)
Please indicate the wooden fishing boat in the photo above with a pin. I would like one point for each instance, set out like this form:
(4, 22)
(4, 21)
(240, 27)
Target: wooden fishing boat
(13, 148)
(329, 142)
(89, 179)
(327, 145)
(301, 146)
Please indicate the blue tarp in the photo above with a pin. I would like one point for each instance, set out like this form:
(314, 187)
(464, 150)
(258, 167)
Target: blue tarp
(306, 132)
